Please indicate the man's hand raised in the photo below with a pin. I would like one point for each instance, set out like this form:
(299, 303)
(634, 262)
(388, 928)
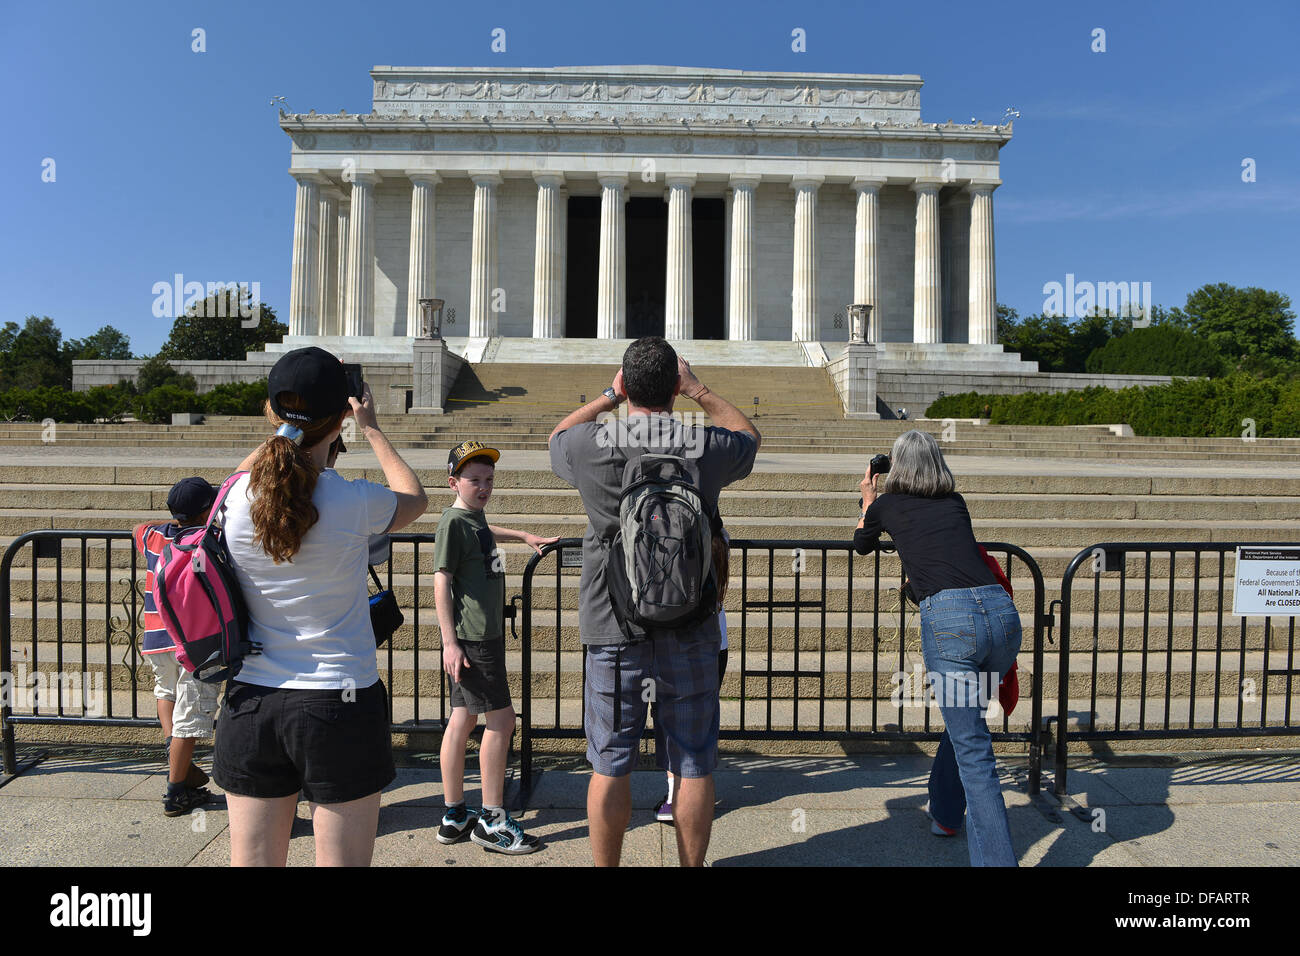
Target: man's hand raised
(690, 386)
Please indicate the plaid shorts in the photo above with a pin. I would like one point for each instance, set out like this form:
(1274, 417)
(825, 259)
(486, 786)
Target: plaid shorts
(680, 677)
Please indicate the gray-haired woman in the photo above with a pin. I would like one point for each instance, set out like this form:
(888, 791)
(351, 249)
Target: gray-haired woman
(970, 633)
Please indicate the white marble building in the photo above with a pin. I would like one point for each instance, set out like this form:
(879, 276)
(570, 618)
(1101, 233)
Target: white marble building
(616, 201)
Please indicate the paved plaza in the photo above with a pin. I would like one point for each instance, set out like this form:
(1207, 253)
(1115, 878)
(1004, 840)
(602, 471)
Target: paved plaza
(86, 808)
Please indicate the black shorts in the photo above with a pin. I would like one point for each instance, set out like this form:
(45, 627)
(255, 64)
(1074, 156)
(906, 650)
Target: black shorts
(483, 688)
(332, 745)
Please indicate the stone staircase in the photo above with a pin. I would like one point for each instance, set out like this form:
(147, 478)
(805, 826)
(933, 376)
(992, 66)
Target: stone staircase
(512, 405)
(525, 426)
(699, 352)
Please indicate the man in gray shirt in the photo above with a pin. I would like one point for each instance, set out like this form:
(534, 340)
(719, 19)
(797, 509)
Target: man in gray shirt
(590, 455)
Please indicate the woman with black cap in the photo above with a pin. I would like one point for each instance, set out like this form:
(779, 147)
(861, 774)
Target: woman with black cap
(309, 713)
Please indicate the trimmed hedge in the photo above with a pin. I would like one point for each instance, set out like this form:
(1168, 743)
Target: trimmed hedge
(158, 405)
(111, 402)
(1185, 407)
(37, 404)
(235, 398)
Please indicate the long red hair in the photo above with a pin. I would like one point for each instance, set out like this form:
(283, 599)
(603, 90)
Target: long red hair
(282, 480)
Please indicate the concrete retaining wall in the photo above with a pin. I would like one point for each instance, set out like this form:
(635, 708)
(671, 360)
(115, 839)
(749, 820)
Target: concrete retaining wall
(915, 390)
(390, 383)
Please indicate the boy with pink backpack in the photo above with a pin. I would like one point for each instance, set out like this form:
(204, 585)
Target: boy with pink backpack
(186, 705)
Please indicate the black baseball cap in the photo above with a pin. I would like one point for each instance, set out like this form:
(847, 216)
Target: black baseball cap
(189, 498)
(316, 377)
(467, 450)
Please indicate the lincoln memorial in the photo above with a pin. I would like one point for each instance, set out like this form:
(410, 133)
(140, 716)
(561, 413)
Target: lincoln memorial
(619, 201)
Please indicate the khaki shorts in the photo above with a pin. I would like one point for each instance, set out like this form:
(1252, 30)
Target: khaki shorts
(195, 700)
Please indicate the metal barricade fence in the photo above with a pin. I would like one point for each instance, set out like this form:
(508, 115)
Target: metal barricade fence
(1224, 688)
(106, 641)
(817, 689)
(801, 693)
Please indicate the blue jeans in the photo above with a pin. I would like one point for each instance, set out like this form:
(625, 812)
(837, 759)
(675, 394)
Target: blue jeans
(970, 638)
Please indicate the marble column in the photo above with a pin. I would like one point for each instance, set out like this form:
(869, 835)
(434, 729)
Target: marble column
(483, 264)
(803, 297)
(742, 318)
(679, 287)
(927, 292)
(611, 291)
(359, 318)
(344, 234)
(983, 314)
(866, 251)
(550, 258)
(563, 227)
(728, 198)
(420, 277)
(303, 277)
(327, 262)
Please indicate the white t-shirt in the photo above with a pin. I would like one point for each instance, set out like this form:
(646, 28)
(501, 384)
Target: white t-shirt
(312, 614)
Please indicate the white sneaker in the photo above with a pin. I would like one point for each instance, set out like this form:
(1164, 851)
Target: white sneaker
(504, 836)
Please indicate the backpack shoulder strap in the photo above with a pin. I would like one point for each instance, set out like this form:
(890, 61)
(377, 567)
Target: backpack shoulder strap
(220, 501)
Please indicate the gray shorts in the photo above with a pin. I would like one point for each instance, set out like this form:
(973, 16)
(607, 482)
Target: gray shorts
(680, 677)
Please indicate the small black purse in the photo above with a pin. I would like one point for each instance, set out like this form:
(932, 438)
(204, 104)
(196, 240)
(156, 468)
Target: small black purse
(385, 616)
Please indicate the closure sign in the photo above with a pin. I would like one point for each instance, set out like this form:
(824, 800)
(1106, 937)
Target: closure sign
(1268, 582)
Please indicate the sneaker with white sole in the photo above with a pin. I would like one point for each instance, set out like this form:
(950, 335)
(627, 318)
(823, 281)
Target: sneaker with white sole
(504, 836)
(457, 823)
(664, 811)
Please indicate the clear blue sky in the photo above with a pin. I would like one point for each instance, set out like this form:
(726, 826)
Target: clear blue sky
(1125, 165)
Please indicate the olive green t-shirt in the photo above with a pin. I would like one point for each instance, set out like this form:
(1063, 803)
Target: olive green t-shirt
(465, 547)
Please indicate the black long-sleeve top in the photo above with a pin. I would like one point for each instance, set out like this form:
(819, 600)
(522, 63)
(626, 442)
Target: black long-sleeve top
(934, 540)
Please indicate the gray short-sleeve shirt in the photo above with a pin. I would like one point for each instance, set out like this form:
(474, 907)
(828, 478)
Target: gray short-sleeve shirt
(591, 457)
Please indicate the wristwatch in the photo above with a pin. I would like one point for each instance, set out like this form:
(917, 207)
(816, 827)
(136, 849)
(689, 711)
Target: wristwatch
(611, 395)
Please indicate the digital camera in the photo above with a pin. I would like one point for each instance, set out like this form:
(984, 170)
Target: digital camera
(879, 466)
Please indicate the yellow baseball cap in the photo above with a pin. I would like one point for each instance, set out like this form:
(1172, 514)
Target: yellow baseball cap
(467, 450)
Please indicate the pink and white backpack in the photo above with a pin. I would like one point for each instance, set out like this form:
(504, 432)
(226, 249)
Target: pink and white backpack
(198, 595)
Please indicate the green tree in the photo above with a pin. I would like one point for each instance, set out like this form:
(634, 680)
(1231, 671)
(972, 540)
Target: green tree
(1008, 320)
(31, 356)
(157, 372)
(107, 343)
(1241, 322)
(1056, 344)
(1091, 333)
(1044, 339)
(1163, 349)
(215, 329)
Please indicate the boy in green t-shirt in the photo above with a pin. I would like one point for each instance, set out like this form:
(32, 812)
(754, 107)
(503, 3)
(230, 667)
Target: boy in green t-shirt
(470, 588)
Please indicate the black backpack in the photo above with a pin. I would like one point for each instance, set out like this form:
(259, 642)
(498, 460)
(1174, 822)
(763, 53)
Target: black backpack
(660, 572)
